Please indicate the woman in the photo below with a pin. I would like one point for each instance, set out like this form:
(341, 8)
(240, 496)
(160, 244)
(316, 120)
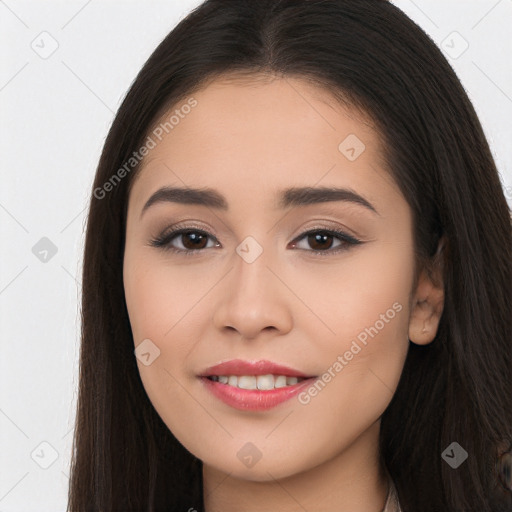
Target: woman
(229, 360)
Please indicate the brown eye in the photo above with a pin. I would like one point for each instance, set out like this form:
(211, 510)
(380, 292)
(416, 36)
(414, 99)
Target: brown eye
(191, 240)
(194, 240)
(320, 241)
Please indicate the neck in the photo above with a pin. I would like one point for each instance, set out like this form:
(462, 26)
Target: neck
(351, 481)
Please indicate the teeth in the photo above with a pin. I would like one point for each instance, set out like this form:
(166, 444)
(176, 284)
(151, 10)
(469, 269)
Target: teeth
(280, 381)
(265, 382)
(261, 382)
(246, 382)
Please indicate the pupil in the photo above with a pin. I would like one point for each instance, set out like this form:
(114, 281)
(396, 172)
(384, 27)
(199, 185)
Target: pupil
(196, 239)
(319, 238)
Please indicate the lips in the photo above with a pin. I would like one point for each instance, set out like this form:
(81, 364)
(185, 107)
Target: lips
(262, 367)
(233, 382)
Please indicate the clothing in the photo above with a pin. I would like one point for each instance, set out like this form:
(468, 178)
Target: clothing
(392, 504)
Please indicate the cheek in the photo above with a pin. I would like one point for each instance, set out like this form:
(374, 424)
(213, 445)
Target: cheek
(161, 309)
(158, 296)
(364, 288)
(164, 307)
(365, 305)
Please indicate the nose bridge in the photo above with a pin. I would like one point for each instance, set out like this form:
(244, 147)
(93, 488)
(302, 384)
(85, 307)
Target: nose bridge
(251, 267)
(252, 278)
(251, 299)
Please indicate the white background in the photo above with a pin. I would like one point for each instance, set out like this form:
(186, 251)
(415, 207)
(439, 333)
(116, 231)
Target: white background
(55, 114)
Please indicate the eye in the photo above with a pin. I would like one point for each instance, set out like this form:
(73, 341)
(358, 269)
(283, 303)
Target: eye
(320, 240)
(194, 240)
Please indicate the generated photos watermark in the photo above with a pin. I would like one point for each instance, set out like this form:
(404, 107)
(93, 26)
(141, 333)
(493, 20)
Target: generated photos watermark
(158, 133)
(343, 360)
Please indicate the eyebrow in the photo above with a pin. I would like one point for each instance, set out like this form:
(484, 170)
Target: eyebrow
(296, 196)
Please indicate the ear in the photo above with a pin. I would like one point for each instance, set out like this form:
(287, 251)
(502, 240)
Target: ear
(428, 301)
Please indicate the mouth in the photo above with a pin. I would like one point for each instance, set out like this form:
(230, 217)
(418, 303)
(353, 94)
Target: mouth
(254, 385)
(260, 382)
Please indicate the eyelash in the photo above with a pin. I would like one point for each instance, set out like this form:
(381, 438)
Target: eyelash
(163, 241)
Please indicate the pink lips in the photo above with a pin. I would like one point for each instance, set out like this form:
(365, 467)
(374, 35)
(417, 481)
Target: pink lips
(240, 367)
(253, 399)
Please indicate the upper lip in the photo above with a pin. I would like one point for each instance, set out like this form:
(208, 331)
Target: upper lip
(261, 367)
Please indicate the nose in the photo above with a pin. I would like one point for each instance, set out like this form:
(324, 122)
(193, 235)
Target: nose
(253, 299)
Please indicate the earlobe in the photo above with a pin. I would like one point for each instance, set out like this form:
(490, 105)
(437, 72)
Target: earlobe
(427, 303)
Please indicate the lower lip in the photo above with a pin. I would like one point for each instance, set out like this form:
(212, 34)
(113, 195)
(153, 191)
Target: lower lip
(254, 399)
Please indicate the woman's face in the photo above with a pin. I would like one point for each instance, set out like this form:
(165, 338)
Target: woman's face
(248, 281)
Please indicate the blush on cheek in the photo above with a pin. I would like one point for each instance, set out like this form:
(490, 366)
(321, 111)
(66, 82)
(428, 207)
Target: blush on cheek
(380, 345)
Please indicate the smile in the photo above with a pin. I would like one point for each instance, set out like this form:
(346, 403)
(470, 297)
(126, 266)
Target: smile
(253, 385)
(253, 399)
(261, 382)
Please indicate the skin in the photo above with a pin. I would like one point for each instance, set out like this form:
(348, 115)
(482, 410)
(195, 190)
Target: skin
(248, 139)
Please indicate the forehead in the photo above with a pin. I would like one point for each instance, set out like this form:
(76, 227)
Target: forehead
(253, 135)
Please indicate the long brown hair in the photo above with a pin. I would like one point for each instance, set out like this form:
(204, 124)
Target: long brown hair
(456, 389)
